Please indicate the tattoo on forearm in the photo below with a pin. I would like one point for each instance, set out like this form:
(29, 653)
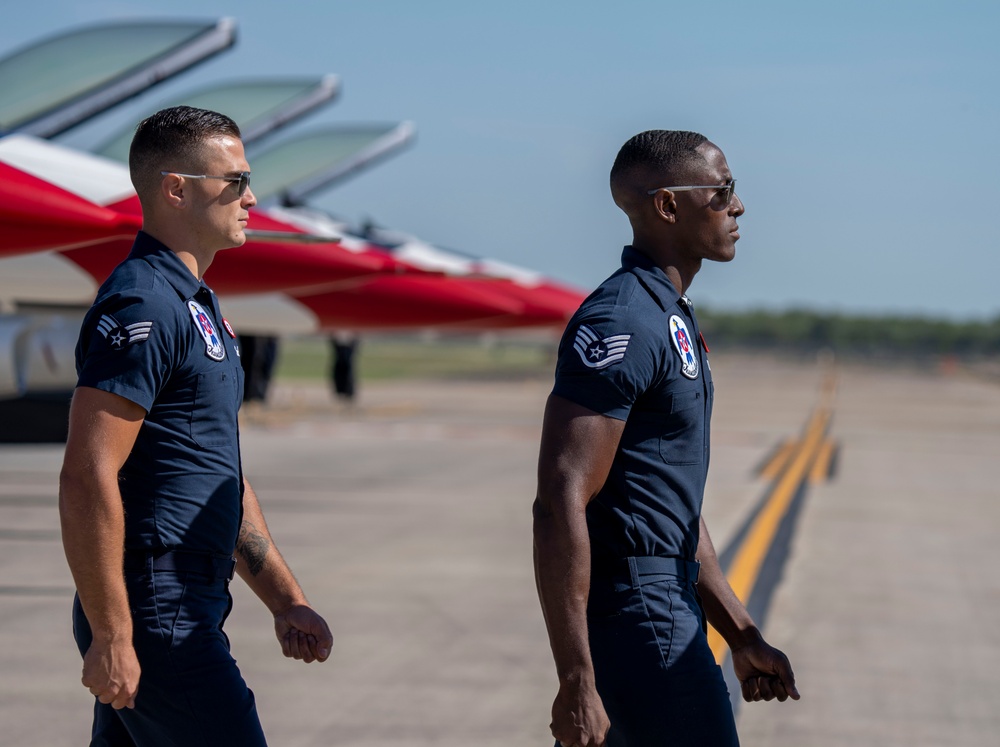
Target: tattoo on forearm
(252, 546)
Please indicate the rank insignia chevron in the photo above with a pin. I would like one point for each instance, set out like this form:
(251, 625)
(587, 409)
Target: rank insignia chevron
(120, 336)
(596, 352)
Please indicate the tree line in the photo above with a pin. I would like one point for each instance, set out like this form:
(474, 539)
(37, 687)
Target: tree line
(800, 330)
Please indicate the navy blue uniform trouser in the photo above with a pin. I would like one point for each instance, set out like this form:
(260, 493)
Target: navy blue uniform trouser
(191, 692)
(655, 672)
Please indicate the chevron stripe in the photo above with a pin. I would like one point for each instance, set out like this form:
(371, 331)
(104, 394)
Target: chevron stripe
(138, 331)
(586, 340)
(106, 324)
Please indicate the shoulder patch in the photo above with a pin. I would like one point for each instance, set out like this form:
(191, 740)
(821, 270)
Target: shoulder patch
(214, 348)
(684, 346)
(119, 336)
(596, 352)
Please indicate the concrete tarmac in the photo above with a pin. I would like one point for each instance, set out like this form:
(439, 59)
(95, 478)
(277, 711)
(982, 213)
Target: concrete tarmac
(407, 520)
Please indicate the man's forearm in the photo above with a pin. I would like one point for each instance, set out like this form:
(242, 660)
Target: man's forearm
(93, 534)
(259, 562)
(562, 574)
(723, 608)
(102, 430)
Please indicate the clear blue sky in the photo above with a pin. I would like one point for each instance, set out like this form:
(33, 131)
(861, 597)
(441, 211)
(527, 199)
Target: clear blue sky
(862, 133)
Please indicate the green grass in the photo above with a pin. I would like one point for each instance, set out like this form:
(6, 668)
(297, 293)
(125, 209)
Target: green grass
(379, 358)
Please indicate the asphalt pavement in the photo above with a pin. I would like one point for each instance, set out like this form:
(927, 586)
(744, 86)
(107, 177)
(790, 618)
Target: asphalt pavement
(407, 520)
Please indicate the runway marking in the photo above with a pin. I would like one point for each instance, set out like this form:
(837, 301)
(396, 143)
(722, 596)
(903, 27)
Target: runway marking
(808, 457)
(778, 460)
(822, 467)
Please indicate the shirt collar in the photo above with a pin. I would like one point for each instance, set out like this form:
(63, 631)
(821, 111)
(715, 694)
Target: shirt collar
(653, 279)
(165, 261)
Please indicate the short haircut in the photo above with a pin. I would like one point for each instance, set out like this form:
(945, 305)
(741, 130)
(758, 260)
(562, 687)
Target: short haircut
(653, 154)
(172, 139)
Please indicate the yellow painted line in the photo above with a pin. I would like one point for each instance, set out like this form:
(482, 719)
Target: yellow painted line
(781, 458)
(750, 556)
(821, 467)
(717, 644)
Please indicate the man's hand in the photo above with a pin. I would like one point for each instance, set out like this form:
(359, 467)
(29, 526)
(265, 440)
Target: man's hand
(578, 717)
(764, 673)
(303, 634)
(111, 673)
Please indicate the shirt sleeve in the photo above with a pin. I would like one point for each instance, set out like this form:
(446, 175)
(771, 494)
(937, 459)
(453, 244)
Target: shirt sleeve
(126, 348)
(606, 361)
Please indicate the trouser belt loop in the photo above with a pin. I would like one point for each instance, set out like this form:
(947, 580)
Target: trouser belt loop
(633, 572)
(645, 566)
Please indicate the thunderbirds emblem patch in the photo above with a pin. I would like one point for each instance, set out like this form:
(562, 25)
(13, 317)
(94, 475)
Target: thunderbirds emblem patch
(120, 336)
(214, 348)
(598, 353)
(685, 347)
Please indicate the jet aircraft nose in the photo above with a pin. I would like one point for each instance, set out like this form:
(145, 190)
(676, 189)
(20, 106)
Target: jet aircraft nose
(35, 215)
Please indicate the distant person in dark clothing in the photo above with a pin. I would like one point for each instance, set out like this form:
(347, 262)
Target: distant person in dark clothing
(258, 354)
(342, 366)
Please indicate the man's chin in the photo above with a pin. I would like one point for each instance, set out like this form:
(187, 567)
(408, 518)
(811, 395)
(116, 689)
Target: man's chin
(237, 241)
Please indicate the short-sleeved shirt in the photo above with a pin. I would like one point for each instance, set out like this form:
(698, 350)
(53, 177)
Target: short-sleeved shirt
(155, 336)
(633, 352)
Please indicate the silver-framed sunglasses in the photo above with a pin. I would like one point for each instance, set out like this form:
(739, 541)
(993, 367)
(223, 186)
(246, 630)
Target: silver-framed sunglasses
(243, 179)
(727, 190)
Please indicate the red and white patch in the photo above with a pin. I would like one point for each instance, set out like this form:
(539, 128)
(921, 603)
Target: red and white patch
(684, 346)
(214, 348)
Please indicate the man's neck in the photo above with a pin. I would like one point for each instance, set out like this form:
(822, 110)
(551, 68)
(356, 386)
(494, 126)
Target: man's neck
(197, 262)
(198, 265)
(680, 273)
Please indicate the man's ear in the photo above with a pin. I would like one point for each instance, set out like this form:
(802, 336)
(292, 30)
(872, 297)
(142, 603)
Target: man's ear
(172, 190)
(665, 206)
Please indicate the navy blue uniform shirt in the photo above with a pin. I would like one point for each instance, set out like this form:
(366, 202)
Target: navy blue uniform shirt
(633, 352)
(156, 337)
